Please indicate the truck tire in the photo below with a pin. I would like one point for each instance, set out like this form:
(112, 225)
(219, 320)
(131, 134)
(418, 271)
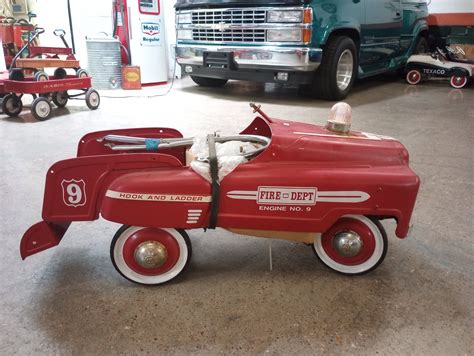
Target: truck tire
(335, 76)
(208, 82)
(421, 46)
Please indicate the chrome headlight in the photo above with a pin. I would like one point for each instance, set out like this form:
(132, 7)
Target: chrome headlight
(185, 34)
(284, 35)
(183, 18)
(285, 16)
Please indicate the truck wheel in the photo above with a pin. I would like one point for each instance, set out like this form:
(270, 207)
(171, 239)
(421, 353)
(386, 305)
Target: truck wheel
(355, 244)
(150, 256)
(209, 82)
(421, 46)
(458, 82)
(335, 76)
(41, 109)
(414, 77)
(12, 105)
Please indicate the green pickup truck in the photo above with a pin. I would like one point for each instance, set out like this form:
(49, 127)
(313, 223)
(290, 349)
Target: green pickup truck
(321, 45)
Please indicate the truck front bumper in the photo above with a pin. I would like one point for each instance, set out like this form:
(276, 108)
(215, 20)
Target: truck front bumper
(253, 63)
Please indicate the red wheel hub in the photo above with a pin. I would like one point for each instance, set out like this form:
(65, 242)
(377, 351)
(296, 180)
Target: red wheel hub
(458, 81)
(349, 225)
(153, 235)
(414, 77)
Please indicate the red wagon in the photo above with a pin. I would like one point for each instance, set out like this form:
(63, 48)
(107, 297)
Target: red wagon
(323, 186)
(43, 92)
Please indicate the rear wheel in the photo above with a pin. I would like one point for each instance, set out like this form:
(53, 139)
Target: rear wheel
(458, 82)
(12, 105)
(414, 77)
(92, 99)
(150, 256)
(209, 82)
(60, 99)
(335, 76)
(355, 244)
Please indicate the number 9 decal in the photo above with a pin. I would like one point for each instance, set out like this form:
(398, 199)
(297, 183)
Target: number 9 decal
(74, 193)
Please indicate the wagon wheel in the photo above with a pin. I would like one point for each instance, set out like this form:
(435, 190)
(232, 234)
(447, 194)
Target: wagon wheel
(16, 74)
(92, 99)
(41, 109)
(82, 73)
(150, 256)
(355, 244)
(458, 82)
(60, 73)
(41, 76)
(12, 105)
(60, 99)
(414, 77)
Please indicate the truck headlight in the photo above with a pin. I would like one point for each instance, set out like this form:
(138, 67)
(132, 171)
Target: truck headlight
(185, 34)
(185, 18)
(284, 35)
(285, 16)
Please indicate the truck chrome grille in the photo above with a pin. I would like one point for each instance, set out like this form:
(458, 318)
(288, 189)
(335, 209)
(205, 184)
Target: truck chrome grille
(233, 17)
(232, 35)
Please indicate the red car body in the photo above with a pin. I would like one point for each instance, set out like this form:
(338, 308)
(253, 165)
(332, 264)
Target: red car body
(301, 185)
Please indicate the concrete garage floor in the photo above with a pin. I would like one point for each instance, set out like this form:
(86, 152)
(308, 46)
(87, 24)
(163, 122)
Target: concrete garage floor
(70, 300)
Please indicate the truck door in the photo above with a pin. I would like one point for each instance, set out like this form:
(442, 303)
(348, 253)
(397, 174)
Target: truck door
(380, 34)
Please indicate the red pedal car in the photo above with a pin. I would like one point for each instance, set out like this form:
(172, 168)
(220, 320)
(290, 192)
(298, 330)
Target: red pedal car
(324, 186)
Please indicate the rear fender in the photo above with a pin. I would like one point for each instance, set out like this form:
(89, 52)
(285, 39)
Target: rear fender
(74, 192)
(92, 145)
(75, 187)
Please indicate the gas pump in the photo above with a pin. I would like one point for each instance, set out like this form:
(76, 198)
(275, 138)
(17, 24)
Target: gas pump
(139, 26)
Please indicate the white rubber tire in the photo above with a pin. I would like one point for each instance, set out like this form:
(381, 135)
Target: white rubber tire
(375, 259)
(122, 267)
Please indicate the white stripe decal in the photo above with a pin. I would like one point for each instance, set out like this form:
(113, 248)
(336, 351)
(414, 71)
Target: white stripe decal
(173, 198)
(326, 197)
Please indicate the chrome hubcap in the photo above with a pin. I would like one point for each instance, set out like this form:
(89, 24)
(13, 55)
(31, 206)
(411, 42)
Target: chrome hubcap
(347, 243)
(151, 254)
(43, 109)
(345, 68)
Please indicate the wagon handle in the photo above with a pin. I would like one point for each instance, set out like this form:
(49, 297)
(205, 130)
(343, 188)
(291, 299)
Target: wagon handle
(61, 33)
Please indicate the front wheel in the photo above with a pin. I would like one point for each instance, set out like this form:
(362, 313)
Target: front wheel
(355, 244)
(150, 256)
(41, 108)
(458, 81)
(335, 76)
(209, 82)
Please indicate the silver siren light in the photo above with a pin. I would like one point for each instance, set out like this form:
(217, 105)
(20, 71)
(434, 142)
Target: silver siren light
(340, 118)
